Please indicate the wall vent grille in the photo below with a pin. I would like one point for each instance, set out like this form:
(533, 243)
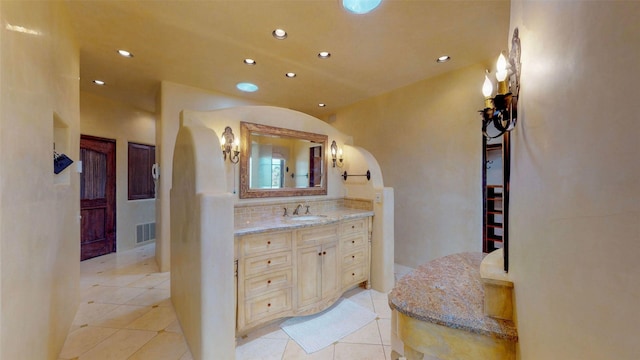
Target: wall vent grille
(145, 232)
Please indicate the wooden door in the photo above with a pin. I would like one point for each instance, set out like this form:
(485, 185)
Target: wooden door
(97, 197)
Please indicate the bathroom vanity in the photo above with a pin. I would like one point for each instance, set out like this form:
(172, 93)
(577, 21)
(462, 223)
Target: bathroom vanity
(299, 265)
(237, 262)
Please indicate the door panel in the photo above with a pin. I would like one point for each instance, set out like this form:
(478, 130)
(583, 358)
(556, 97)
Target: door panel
(309, 275)
(330, 269)
(97, 197)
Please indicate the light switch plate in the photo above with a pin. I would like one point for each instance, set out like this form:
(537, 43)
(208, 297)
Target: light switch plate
(79, 167)
(378, 197)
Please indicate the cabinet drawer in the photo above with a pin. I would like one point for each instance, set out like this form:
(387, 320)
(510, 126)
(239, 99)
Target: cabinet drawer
(267, 242)
(352, 242)
(354, 275)
(358, 226)
(268, 305)
(260, 264)
(268, 282)
(317, 235)
(357, 257)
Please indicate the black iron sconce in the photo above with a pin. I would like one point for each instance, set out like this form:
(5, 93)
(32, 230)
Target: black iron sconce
(336, 155)
(230, 146)
(501, 111)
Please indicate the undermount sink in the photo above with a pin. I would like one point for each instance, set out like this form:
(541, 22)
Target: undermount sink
(307, 217)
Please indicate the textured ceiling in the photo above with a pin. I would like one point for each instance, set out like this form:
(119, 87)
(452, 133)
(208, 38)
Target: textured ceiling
(203, 44)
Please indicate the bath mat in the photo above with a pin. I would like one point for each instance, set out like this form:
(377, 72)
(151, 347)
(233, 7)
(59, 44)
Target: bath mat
(315, 332)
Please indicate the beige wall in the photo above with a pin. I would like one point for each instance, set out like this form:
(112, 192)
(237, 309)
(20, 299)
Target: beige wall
(575, 203)
(114, 120)
(427, 140)
(39, 226)
(174, 98)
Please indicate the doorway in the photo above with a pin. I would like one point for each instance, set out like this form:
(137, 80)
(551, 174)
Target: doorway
(97, 196)
(315, 166)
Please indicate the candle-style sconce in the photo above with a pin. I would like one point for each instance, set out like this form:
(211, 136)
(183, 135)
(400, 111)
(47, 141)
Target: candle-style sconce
(230, 146)
(501, 111)
(336, 155)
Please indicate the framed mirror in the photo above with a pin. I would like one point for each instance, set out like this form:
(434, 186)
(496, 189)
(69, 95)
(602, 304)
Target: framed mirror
(278, 162)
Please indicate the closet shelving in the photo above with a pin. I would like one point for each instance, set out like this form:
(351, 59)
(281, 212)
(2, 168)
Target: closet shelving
(493, 226)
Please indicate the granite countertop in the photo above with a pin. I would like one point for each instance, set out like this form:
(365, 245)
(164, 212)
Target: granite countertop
(448, 291)
(288, 223)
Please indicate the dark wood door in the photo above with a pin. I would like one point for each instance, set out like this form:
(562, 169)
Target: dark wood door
(97, 197)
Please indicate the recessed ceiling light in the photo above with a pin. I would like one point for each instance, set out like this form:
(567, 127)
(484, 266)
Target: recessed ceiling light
(360, 6)
(322, 105)
(247, 87)
(125, 53)
(98, 82)
(324, 54)
(290, 75)
(249, 61)
(279, 34)
(443, 58)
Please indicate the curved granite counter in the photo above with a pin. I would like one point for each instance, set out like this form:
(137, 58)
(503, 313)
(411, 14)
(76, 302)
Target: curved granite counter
(448, 292)
(270, 223)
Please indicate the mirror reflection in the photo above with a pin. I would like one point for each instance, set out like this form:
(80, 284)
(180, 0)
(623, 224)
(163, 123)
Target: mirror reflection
(281, 162)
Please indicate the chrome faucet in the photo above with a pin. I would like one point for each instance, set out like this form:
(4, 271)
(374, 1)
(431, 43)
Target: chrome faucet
(297, 210)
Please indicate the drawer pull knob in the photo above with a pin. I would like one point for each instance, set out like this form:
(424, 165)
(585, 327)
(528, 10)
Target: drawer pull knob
(353, 226)
(268, 262)
(269, 305)
(268, 281)
(268, 242)
(353, 241)
(324, 253)
(353, 274)
(319, 254)
(353, 256)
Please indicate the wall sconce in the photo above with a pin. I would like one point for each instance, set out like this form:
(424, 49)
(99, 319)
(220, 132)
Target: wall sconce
(336, 155)
(502, 109)
(229, 141)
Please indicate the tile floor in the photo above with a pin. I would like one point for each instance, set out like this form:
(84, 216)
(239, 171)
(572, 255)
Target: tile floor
(126, 313)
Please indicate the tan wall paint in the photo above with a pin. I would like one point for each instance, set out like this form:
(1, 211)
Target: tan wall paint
(173, 99)
(39, 227)
(575, 203)
(115, 120)
(427, 140)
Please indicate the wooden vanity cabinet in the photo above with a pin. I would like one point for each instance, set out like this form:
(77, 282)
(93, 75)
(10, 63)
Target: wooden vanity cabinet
(317, 267)
(299, 272)
(265, 277)
(355, 252)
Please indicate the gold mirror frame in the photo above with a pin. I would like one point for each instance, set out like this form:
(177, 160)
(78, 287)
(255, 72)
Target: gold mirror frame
(246, 129)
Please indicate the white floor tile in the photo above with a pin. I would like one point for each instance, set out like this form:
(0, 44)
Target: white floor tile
(81, 340)
(120, 345)
(295, 352)
(359, 351)
(165, 346)
(88, 313)
(368, 334)
(155, 320)
(121, 316)
(152, 297)
(261, 349)
(385, 331)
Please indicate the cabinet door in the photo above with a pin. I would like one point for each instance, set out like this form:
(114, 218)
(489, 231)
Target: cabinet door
(309, 268)
(330, 284)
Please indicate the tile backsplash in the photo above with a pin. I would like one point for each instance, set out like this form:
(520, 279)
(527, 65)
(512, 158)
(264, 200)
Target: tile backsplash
(258, 211)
